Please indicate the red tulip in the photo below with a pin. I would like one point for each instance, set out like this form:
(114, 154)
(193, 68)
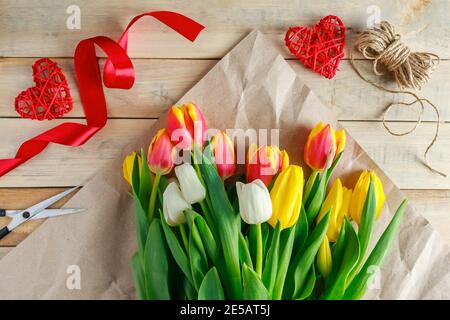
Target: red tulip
(185, 125)
(265, 162)
(161, 153)
(223, 149)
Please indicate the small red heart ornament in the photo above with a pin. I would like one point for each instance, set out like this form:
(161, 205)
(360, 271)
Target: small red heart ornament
(321, 47)
(50, 98)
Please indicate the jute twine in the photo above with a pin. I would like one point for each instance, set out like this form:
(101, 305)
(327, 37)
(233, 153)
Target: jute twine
(411, 71)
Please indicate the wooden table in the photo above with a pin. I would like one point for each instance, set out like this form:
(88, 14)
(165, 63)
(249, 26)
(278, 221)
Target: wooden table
(167, 66)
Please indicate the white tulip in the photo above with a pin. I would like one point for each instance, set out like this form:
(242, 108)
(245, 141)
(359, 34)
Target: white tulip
(192, 189)
(173, 205)
(255, 205)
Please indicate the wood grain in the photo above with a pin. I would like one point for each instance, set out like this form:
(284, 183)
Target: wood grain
(28, 31)
(161, 82)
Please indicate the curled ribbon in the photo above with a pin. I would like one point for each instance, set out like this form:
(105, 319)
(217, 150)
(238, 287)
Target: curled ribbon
(118, 73)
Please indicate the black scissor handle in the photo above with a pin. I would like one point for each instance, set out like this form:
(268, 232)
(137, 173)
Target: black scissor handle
(3, 232)
(2, 213)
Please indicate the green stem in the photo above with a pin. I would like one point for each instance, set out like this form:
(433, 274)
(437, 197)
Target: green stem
(259, 250)
(184, 237)
(151, 207)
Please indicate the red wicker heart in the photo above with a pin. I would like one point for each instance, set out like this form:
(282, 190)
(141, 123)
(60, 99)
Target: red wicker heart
(50, 98)
(320, 48)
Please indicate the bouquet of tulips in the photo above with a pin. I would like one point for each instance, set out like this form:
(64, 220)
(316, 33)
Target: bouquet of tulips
(205, 231)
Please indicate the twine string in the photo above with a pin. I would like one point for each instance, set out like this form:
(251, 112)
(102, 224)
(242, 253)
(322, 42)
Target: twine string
(411, 70)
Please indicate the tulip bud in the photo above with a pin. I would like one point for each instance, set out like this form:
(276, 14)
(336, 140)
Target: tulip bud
(128, 164)
(360, 192)
(324, 260)
(174, 205)
(340, 141)
(265, 162)
(286, 196)
(186, 124)
(320, 144)
(191, 187)
(161, 153)
(223, 149)
(255, 205)
(338, 202)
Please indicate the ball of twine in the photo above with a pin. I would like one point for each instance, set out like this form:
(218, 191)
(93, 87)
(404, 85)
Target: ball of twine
(411, 70)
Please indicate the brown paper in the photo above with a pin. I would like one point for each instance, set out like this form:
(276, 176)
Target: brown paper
(251, 87)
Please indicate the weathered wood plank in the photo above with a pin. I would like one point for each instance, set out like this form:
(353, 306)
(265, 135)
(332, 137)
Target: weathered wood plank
(65, 166)
(27, 30)
(60, 165)
(433, 204)
(161, 82)
(20, 198)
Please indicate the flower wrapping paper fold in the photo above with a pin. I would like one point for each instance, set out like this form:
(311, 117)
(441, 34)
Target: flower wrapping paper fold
(251, 87)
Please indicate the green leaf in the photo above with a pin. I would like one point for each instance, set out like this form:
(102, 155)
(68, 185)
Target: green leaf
(156, 262)
(310, 282)
(145, 185)
(367, 223)
(224, 219)
(301, 231)
(350, 258)
(271, 264)
(211, 288)
(197, 257)
(304, 260)
(333, 165)
(189, 290)
(135, 176)
(206, 237)
(254, 289)
(138, 276)
(244, 252)
(283, 264)
(140, 223)
(313, 208)
(337, 254)
(358, 286)
(177, 250)
(310, 188)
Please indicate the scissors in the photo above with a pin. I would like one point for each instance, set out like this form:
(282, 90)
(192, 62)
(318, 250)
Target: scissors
(38, 211)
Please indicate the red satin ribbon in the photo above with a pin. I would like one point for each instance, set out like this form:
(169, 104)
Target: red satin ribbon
(118, 73)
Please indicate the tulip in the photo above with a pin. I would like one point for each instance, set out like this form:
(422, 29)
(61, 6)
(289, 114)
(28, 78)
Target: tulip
(333, 204)
(128, 165)
(321, 143)
(186, 125)
(340, 141)
(174, 205)
(359, 195)
(160, 161)
(324, 260)
(161, 153)
(191, 187)
(223, 149)
(286, 196)
(255, 207)
(265, 162)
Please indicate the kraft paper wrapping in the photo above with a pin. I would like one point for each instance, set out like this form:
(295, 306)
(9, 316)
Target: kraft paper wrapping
(251, 87)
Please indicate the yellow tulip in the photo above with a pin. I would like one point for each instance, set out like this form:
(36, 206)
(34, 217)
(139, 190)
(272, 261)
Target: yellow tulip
(333, 203)
(324, 260)
(127, 166)
(359, 195)
(286, 196)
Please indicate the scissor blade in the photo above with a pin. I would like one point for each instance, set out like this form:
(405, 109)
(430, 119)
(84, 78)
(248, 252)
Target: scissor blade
(47, 213)
(34, 210)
